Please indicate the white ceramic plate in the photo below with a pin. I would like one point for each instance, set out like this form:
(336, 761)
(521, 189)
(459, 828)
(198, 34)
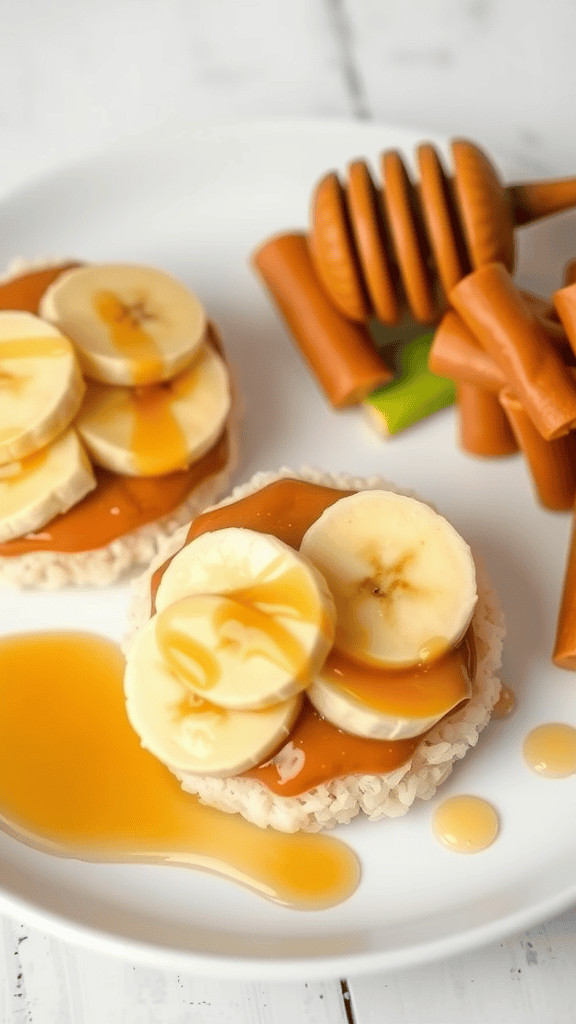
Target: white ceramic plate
(197, 203)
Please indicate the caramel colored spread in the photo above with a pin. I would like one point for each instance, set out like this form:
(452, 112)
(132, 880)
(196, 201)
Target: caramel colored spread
(118, 504)
(287, 508)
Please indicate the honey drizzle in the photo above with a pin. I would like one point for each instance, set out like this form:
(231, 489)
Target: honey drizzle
(128, 336)
(465, 824)
(246, 620)
(84, 787)
(22, 349)
(43, 347)
(155, 429)
(28, 467)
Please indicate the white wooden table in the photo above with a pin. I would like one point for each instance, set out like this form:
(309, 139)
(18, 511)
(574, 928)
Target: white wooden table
(75, 77)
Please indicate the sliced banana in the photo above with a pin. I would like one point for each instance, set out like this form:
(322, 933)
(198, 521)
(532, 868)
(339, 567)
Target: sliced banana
(41, 384)
(187, 732)
(402, 578)
(389, 705)
(160, 428)
(130, 324)
(243, 618)
(49, 482)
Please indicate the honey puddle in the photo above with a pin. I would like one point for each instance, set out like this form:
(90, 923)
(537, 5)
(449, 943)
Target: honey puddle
(75, 782)
(465, 824)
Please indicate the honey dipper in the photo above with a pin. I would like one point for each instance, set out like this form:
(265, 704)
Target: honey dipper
(372, 247)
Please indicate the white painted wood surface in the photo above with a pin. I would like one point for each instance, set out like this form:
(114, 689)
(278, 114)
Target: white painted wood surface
(76, 76)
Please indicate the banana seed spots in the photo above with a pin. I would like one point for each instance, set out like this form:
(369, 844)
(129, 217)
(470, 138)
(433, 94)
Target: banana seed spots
(386, 580)
(125, 323)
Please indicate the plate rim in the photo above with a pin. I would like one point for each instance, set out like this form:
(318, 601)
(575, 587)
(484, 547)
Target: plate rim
(237, 967)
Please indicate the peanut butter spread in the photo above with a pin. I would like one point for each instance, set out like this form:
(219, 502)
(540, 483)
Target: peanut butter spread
(119, 504)
(286, 509)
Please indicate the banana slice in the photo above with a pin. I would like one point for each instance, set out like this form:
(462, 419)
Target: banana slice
(49, 482)
(161, 428)
(41, 385)
(243, 618)
(187, 732)
(389, 705)
(402, 578)
(131, 325)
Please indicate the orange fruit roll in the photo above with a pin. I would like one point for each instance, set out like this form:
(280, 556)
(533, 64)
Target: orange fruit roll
(455, 353)
(565, 306)
(564, 654)
(483, 429)
(551, 464)
(496, 313)
(339, 352)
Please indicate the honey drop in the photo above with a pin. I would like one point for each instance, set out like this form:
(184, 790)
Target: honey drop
(550, 750)
(465, 824)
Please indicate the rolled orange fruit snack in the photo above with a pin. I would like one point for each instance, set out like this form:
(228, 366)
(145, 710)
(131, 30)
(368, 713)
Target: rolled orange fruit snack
(494, 310)
(455, 353)
(564, 654)
(552, 464)
(340, 353)
(483, 427)
(565, 305)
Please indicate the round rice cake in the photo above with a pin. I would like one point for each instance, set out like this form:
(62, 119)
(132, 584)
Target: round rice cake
(339, 800)
(101, 566)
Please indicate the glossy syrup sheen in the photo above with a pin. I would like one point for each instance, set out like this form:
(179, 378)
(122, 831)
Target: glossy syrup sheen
(417, 692)
(465, 824)
(247, 630)
(74, 781)
(248, 619)
(505, 704)
(14, 383)
(156, 433)
(155, 437)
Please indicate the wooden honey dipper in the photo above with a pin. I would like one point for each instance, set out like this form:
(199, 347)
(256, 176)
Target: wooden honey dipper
(372, 253)
(372, 247)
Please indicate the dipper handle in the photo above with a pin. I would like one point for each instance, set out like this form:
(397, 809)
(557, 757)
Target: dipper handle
(530, 200)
